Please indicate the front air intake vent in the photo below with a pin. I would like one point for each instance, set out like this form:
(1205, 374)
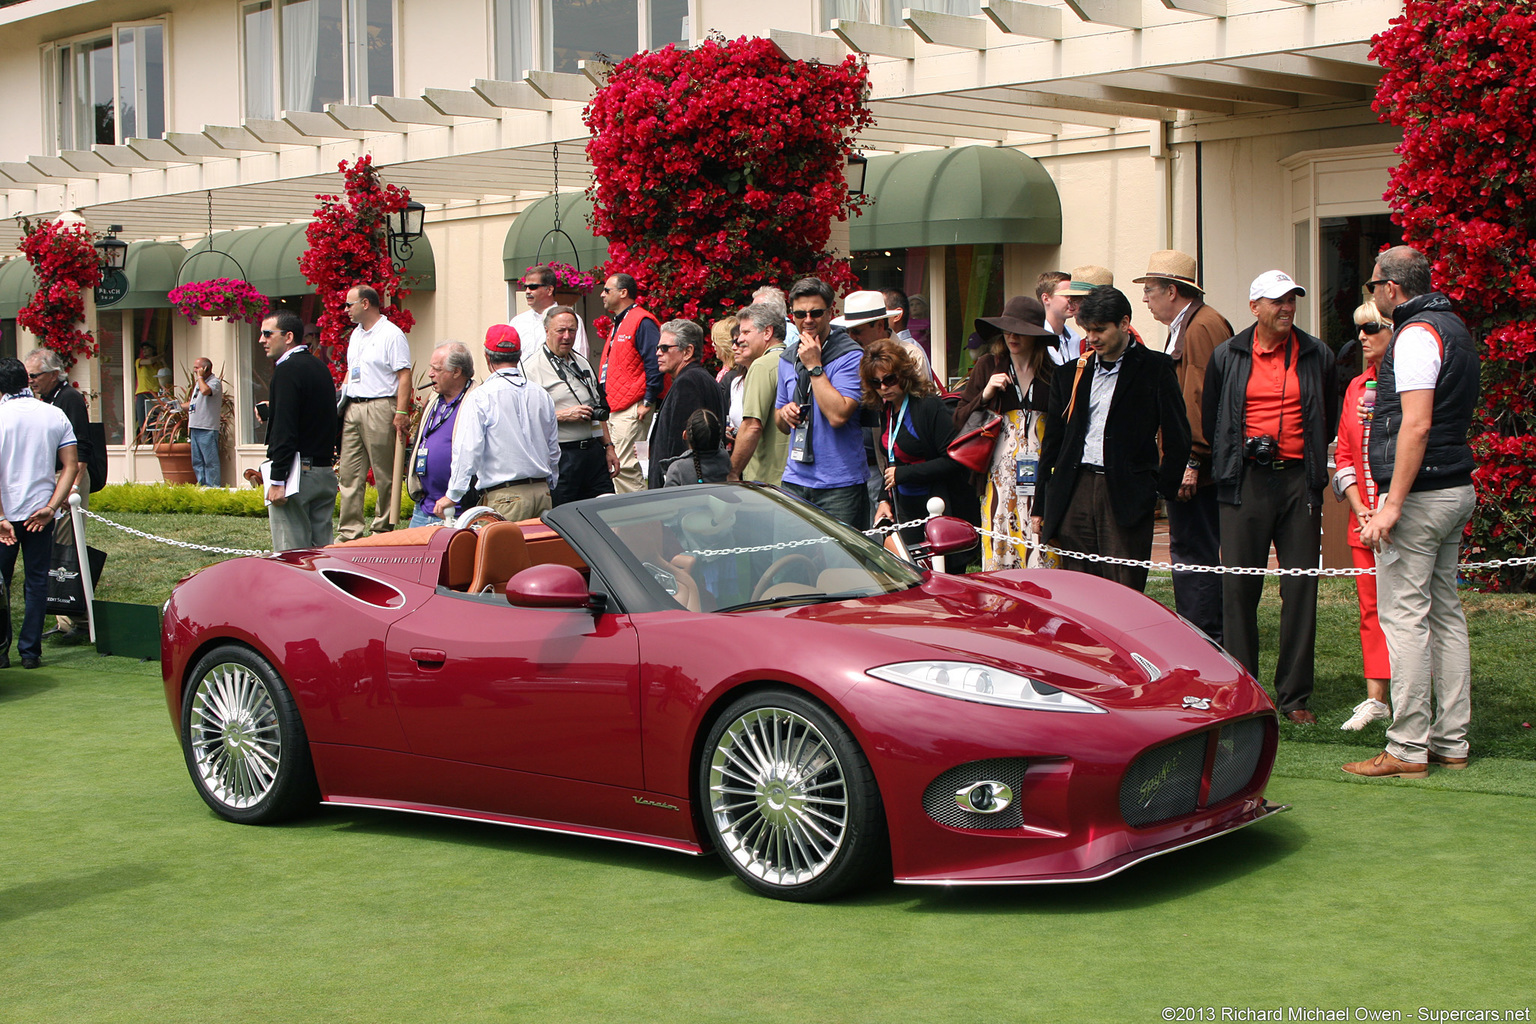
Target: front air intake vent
(1164, 782)
(939, 799)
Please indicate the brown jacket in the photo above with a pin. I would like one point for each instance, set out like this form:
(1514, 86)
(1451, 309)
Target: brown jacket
(1204, 329)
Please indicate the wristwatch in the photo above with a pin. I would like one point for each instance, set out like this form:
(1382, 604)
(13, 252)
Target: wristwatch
(817, 371)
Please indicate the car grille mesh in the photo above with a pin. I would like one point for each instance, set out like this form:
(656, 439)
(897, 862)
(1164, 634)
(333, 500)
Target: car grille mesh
(1237, 755)
(1164, 783)
(939, 797)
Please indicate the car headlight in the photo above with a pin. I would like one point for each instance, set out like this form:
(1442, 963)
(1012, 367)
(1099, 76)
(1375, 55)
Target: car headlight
(982, 684)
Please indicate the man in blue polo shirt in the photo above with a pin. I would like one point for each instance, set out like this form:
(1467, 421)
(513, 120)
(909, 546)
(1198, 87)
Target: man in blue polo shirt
(817, 405)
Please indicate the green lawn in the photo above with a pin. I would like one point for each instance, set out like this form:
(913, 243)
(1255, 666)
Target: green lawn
(123, 899)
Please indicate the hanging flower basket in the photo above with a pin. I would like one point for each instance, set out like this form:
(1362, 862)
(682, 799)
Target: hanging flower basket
(570, 283)
(223, 298)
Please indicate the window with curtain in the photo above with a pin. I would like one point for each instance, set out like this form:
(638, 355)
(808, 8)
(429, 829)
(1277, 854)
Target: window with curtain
(108, 87)
(891, 9)
(555, 35)
(844, 10)
(304, 54)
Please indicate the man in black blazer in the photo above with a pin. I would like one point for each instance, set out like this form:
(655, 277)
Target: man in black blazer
(1100, 469)
(302, 425)
(693, 388)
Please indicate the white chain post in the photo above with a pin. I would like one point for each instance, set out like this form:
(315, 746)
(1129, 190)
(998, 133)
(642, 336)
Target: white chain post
(77, 521)
(936, 508)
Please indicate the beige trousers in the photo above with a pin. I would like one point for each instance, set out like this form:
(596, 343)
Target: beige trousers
(519, 501)
(624, 430)
(367, 440)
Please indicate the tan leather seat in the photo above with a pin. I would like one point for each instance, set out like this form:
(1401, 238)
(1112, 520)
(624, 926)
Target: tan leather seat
(459, 560)
(501, 554)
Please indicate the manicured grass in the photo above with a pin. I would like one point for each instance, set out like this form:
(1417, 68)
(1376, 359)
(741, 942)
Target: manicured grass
(124, 899)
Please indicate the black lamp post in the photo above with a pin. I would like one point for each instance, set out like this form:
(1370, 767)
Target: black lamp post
(113, 252)
(404, 227)
(853, 173)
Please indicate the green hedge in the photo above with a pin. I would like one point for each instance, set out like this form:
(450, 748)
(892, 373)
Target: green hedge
(192, 499)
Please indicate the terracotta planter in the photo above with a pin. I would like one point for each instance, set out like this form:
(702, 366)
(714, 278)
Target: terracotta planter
(175, 462)
(567, 298)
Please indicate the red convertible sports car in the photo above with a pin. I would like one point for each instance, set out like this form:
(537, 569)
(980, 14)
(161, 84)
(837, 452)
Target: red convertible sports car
(719, 667)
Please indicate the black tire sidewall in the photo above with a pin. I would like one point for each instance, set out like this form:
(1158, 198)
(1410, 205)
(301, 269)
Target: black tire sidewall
(294, 789)
(865, 846)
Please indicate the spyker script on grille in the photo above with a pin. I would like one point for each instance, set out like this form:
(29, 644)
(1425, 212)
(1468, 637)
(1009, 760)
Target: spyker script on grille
(1149, 788)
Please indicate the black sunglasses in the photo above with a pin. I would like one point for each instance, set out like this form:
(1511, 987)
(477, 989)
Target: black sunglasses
(1374, 328)
(531, 287)
(665, 348)
(814, 314)
(1373, 285)
(888, 381)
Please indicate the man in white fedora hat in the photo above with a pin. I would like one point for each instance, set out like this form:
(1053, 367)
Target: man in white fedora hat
(1176, 300)
(867, 320)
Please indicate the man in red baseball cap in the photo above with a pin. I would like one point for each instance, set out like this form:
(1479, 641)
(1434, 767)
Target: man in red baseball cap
(508, 439)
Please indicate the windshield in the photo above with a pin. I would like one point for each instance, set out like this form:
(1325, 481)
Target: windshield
(721, 548)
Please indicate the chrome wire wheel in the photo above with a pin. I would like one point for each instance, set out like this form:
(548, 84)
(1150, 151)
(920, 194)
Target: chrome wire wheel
(235, 735)
(778, 797)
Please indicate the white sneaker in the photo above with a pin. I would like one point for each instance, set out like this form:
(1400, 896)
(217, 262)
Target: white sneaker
(1367, 711)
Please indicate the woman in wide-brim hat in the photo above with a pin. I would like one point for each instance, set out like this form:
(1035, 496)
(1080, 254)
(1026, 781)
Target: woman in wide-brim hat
(1013, 380)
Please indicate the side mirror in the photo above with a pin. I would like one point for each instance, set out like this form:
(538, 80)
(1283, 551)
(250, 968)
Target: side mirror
(947, 535)
(549, 586)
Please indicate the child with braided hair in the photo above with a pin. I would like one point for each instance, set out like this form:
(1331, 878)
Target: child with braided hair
(705, 462)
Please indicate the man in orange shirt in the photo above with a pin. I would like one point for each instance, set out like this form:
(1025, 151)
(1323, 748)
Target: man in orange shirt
(1269, 410)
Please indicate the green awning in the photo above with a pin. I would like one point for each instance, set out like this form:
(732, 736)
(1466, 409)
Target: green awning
(17, 284)
(969, 195)
(269, 259)
(521, 250)
(150, 268)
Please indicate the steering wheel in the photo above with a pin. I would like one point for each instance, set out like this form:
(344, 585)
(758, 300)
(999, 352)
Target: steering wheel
(766, 579)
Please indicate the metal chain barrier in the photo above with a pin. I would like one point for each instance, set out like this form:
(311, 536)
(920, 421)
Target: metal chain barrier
(881, 531)
(166, 540)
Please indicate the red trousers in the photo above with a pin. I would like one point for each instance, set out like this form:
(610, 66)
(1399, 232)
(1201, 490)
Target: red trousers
(1373, 644)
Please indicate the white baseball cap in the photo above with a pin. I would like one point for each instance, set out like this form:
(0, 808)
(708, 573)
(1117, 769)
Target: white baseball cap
(1273, 284)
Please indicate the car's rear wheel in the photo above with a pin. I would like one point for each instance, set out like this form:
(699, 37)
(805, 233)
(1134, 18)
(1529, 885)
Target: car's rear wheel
(790, 800)
(243, 739)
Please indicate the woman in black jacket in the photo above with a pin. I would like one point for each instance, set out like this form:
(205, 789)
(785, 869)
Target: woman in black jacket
(913, 429)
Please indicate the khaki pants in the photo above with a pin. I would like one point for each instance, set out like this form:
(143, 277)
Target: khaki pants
(624, 429)
(519, 501)
(1426, 630)
(367, 440)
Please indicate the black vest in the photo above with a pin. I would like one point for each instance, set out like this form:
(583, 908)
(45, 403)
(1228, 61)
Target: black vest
(1448, 458)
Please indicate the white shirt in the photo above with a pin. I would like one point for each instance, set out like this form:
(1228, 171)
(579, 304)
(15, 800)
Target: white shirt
(1176, 331)
(1416, 359)
(373, 359)
(31, 434)
(1105, 377)
(530, 331)
(506, 431)
(1067, 350)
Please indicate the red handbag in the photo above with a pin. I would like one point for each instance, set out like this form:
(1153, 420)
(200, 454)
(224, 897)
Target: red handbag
(972, 448)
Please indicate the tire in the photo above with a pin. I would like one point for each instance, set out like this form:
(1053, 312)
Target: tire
(243, 739)
(789, 799)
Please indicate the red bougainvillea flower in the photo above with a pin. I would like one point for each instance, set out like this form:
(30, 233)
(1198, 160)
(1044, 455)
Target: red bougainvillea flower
(1460, 82)
(64, 261)
(719, 169)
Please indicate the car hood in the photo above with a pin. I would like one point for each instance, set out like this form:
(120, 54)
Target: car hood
(1076, 632)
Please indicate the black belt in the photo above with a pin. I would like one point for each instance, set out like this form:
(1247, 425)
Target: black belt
(1092, 469)
(582, 445)
(375, 398)
(513, 483)
(1274, 464)
(308, 463)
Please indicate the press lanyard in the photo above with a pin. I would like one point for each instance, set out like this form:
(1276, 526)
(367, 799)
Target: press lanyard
(1013, 376)
(442, 412)
(890, 434)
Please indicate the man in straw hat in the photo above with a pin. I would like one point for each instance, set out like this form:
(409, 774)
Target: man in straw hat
(1177, 301)
(1100, 468)
(1269, 409)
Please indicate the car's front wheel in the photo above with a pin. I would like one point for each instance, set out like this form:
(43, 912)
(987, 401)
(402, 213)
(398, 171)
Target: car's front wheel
(243, 739)
(790, 800)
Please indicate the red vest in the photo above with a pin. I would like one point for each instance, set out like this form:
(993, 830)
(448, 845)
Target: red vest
(622, 371)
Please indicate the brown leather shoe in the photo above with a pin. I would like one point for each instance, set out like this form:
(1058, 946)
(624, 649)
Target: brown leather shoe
(1301, 716)
(1453, 763)
(1385, 766)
